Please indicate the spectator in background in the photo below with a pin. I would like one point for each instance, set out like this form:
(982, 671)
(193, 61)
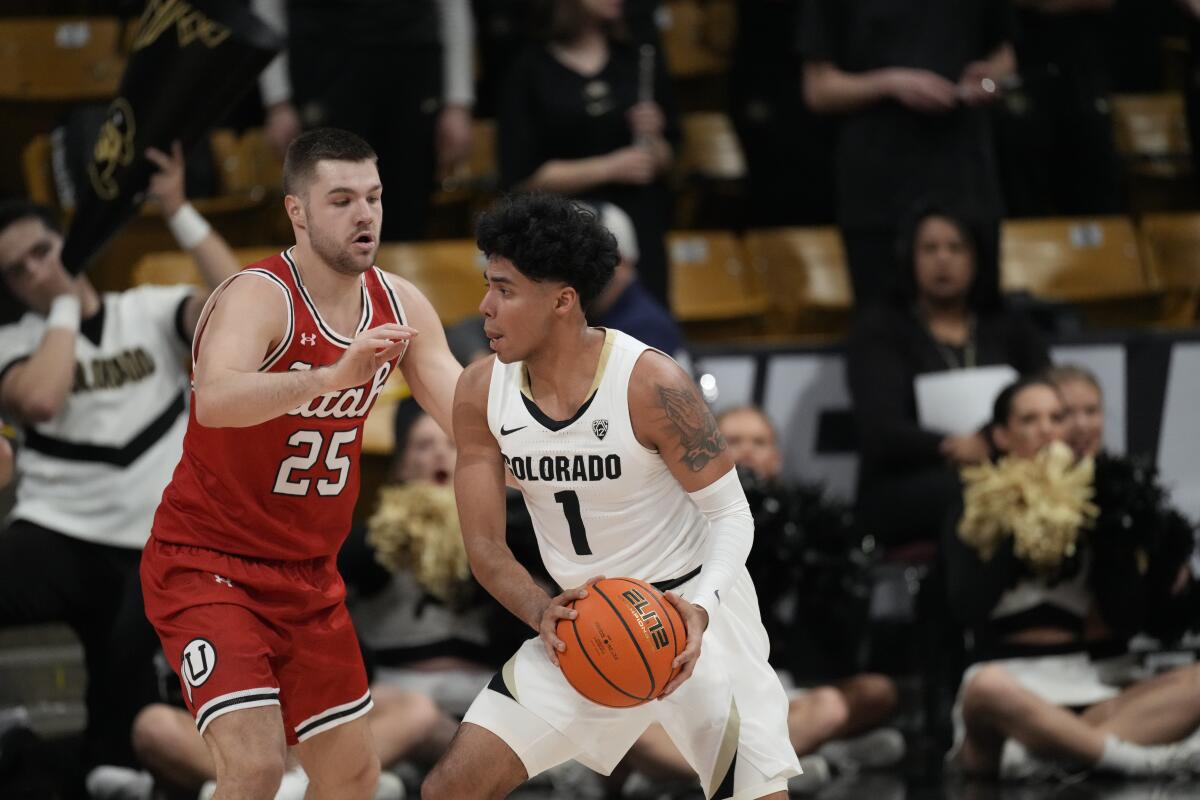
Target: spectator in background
(575, 119)
(1083, 407)
(911, 83)
(788, 169)
(1037, 705)
(936, 321)
(96, 386)
(397, 74)
(1057, 151)
(626, 304)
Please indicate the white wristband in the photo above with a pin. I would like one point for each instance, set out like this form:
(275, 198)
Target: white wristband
(64, 313)
(188, 227)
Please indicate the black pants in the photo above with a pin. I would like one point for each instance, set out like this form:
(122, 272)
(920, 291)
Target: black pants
(1056, 145)
(389, 96)
(47, 577)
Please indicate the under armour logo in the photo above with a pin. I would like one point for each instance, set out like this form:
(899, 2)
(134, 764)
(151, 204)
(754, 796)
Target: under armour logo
(308, 338)
(224, 580)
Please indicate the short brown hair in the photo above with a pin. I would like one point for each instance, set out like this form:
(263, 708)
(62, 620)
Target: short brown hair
(320, 144)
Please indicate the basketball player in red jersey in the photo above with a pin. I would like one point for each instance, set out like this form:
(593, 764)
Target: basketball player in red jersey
(239, 574)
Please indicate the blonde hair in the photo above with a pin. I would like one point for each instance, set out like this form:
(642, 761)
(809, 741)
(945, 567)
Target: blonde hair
(1070, 373)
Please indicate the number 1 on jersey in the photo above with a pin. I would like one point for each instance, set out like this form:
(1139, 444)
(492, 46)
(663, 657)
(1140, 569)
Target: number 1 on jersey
(569, 500)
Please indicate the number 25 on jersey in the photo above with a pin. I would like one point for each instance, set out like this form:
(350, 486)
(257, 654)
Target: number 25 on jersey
(290, 480)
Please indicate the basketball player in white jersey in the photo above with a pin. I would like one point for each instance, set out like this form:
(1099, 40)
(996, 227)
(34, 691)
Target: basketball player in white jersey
(625, 474)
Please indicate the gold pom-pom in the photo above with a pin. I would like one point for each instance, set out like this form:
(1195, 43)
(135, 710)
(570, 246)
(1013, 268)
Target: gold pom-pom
(416, 528)
(1042, 502)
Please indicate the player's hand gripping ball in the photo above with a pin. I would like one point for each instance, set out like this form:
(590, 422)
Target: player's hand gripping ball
(621, 645)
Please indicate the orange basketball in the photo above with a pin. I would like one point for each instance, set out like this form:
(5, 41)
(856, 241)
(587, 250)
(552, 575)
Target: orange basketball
(620, 647)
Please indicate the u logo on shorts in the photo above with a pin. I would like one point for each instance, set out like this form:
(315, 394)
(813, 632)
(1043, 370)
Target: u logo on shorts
(198, 661)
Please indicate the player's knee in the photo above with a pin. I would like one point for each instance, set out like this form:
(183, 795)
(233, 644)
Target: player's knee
(990, 688)
(153, 730)
(879, 694)
(257, 769)
(828, 706)
(362, 779)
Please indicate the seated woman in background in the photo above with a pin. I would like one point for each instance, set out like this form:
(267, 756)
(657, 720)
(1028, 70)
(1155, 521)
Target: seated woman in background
(587, 113)
(1083, 408)
(1037, 705)
(938, 320)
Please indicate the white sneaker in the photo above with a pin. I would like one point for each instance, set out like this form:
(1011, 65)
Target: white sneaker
(107, 782)
(1018, 764)
(882, 747)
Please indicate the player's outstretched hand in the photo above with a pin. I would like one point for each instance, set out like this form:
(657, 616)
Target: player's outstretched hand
(695, 620)
(368, 352)
(557, 610)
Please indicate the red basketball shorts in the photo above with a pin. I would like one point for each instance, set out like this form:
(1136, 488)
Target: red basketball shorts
(242, 633)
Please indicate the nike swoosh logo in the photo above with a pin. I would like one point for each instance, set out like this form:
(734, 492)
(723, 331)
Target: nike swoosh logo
(511, 430)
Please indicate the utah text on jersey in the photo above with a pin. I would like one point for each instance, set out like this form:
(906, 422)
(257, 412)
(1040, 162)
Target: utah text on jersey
(346, 402)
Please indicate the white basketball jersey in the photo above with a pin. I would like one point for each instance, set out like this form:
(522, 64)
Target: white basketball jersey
(601, 503)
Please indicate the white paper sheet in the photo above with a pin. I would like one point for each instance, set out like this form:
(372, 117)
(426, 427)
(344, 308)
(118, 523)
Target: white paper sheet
(960, 401)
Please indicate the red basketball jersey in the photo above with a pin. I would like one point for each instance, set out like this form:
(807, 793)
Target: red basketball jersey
(283, 489)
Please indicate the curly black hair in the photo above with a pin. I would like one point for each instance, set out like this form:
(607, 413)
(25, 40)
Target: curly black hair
(548, 237)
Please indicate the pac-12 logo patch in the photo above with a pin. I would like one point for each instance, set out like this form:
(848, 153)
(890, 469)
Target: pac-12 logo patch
(198, 662)
(600, 428)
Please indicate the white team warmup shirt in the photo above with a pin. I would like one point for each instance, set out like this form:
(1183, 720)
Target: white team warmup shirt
(98, 469)
(602, 504)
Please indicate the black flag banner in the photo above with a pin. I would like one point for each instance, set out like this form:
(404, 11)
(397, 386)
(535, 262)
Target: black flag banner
(190, 63)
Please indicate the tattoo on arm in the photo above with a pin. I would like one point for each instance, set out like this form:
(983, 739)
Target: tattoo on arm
(698, 434)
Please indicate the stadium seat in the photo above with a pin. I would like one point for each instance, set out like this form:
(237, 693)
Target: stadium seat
(246, 164)
(806, 278)
(711, 279)
(60, 58)
(1171, 243)
(1151, 133)
(711, 148)
(711, 170)
(1093, 263)
(697, 37)
(448, 272)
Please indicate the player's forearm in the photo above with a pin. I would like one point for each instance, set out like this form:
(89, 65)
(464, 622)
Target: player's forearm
(499, 572)
(569, 177)
(731, 536)
(458, 35)
(829, 90)
(215, 259)
(38, 391)
(233, 399)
